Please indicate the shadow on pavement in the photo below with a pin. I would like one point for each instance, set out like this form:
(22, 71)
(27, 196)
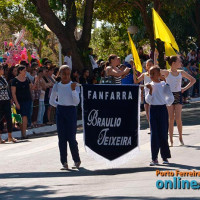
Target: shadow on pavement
(195, 147)
(85, 172)
(41, 192)
(81, 172)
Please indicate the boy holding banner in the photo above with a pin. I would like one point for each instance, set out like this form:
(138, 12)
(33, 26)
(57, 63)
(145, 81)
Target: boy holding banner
(65, 97)
(158, 95)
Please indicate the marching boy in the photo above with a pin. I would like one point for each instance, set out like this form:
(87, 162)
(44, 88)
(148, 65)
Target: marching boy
(158, 95)
(65, 97)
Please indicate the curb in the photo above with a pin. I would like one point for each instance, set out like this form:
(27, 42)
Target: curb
(35, 131)
(53, 128)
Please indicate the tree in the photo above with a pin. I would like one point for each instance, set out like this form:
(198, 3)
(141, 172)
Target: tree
(64, 23)
(110, 39)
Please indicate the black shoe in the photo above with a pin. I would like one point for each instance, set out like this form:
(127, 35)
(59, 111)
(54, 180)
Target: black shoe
(24, 137)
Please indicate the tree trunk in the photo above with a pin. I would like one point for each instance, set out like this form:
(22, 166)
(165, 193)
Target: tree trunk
(161, 49)
(197, 16)
(65, 34)
(148, 24)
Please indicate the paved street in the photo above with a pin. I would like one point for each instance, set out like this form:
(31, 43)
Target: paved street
(31, 169)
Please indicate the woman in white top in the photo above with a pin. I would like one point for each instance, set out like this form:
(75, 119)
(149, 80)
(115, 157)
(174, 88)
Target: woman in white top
(146, 78)
(174, 78)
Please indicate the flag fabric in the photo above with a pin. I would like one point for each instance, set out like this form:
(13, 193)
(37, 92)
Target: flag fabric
(15, 117)
(111, 122)
(162, 32)
(169, 51)
(137, 62)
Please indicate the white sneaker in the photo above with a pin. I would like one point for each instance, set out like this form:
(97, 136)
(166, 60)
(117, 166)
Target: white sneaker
(153, 162)
(165, 161)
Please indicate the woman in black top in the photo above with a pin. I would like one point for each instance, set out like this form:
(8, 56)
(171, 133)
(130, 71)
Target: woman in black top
(21, 94)
(5, 107)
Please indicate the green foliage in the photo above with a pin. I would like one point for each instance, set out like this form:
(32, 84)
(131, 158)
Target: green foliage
(110, 40)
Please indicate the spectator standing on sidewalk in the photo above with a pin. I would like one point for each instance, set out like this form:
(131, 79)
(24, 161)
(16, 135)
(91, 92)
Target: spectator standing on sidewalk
(5, 107)
(41, 88)
(21, 93)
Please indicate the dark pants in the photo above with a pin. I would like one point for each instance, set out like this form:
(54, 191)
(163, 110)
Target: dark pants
(66, 120)
(159, 131)
(35, 110)
(45, 118)
(5, 113)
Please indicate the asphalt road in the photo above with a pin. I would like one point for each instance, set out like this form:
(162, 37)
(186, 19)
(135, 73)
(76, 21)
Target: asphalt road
(31, 169)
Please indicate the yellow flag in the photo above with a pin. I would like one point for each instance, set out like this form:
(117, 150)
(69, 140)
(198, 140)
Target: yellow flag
(137, 62)
(169, 51)
(162, 32)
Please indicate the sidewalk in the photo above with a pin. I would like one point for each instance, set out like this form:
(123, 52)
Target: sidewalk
(33, 131)
(52, 128)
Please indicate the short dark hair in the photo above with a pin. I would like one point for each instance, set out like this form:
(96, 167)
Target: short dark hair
(111, 57)
(47, 62)
(34, 64)
(84, 70)
(41, 69)
(156, 68)
(43, 60)
(20, 68)
(23, 62)
(33, 60)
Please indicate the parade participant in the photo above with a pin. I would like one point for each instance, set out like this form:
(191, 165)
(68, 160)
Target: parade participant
(112, 72)
(158, 95)
(174, 79)
(5, 108)
(67, 94)
(21, 93)
(144, 76)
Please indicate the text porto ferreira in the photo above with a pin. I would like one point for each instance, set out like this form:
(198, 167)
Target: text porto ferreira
(178, 180)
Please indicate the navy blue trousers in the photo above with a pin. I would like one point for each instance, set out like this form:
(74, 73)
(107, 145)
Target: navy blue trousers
(66, 120)
(159, 131)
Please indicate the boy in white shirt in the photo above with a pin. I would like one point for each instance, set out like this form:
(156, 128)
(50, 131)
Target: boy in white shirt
(65, 97)
(158, 95)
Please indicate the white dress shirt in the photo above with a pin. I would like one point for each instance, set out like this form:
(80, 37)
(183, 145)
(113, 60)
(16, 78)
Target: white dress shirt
(68, 61)
(161, 94)
(63, 95)
(93, 62)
